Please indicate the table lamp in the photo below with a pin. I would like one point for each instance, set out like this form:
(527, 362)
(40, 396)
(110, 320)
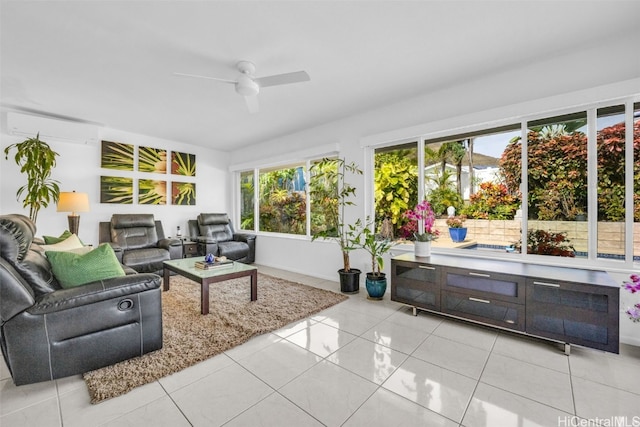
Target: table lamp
(73, 202)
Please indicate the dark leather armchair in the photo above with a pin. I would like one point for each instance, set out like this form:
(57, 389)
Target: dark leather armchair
(215, 235)
(138, 241)
(48, 332)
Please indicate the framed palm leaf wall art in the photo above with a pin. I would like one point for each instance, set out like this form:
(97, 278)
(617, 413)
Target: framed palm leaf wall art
(183, 193)
(183, 164)
(116, 189)
(152, 160)
(152, 192)
(149, 191)
(116, 155)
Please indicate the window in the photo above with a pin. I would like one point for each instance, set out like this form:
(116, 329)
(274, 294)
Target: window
(324, 197)
(247, 200)
(611, 176)
(636, 182)
(395, 187)
(282, 200)
(575, 198)
(557, 190)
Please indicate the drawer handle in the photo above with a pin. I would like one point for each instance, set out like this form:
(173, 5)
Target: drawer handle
(426, 267)
(479, 300)
(551, 285)
(479, 274)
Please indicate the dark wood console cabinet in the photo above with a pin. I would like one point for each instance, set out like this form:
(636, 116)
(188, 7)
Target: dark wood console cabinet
(567, 305)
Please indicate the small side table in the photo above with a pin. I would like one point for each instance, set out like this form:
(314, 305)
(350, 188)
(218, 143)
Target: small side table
(189, 248)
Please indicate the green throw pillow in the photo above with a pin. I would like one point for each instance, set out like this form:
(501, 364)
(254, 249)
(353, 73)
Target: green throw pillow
(71, 269)
(51, 240)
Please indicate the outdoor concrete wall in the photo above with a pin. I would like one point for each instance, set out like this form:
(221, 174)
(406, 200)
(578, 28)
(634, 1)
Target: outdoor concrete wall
(611, 236)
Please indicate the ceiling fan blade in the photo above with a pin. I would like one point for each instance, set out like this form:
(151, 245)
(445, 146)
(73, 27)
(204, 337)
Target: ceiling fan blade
(252, 104)
(283, 79)
(204, 77)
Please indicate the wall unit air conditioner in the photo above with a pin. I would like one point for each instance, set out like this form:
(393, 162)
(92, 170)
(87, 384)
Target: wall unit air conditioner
(50, 129)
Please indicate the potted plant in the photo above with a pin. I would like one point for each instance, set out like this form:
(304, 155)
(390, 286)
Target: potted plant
(376, 246)
(37, 160)
(457, 230)
(425, 218)
(329, 180)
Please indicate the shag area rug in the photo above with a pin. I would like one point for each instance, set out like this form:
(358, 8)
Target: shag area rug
(190, 337)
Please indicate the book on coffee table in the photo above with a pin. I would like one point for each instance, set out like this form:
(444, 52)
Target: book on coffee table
(211, 265)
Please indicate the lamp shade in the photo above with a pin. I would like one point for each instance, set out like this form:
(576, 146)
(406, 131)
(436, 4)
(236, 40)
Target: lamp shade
(73, 202)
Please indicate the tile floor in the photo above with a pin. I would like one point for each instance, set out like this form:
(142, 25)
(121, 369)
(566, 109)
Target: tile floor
(361, 363)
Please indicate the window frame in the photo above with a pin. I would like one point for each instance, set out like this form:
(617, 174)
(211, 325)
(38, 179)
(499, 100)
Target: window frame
(303, 158)
(592, 261)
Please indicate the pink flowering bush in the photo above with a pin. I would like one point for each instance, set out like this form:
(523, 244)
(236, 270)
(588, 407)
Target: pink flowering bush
(633, 286)
(422, 216)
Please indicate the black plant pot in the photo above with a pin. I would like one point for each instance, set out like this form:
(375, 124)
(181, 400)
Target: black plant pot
(349, 281)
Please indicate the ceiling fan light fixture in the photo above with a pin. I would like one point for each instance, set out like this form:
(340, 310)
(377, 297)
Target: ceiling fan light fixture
(246, 86)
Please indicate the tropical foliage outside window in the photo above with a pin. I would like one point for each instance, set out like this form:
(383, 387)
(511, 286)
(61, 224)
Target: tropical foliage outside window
(282, 199)
(480, 175)
(396, 186)
(323, 188)
(247, 200)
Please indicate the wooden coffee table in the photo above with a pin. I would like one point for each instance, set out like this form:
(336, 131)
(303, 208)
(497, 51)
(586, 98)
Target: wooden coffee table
(186, 267)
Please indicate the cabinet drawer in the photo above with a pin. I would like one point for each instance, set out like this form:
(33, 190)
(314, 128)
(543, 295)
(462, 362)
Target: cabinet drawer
(416, 284)
(416, 271)
(574, 313)
(189, 249)
(494, 312)
(423, 295)
(485, 285)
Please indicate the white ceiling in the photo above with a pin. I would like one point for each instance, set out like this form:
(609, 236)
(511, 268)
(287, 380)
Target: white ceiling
(112, 62)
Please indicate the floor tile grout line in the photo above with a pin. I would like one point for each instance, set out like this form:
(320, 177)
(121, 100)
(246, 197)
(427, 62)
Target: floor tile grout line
(475, 388)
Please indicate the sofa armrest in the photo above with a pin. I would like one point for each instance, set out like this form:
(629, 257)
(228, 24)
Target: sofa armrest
(117, 249)
(168, 242)
(93, 292)
(250, 240)
(174, 246)
(242, 237)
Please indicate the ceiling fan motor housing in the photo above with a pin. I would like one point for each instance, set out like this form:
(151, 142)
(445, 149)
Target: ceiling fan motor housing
(246, 86)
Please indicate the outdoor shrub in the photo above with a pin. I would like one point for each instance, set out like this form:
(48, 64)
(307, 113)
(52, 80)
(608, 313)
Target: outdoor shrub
(492, 201)
(543, 242)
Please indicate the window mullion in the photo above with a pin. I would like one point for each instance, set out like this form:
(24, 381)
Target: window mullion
(592, 184)
(628, 182)
(256, 200)
(307, 194)
(524, 188)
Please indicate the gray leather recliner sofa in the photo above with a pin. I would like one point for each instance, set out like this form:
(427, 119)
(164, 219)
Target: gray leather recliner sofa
(48, 332)
(215, 235)
(138, 241)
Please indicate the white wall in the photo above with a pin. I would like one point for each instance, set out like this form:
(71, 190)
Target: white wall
(78, 168)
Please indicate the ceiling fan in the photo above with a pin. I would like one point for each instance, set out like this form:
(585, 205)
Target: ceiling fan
(249, 86)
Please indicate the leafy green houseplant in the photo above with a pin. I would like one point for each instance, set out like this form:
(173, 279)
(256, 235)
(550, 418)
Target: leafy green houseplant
(376, 282)
(376, 247)
(36, 159)
(332, 173)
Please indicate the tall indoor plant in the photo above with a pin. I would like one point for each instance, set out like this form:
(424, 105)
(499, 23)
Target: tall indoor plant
(333, 172)
(36, 159)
